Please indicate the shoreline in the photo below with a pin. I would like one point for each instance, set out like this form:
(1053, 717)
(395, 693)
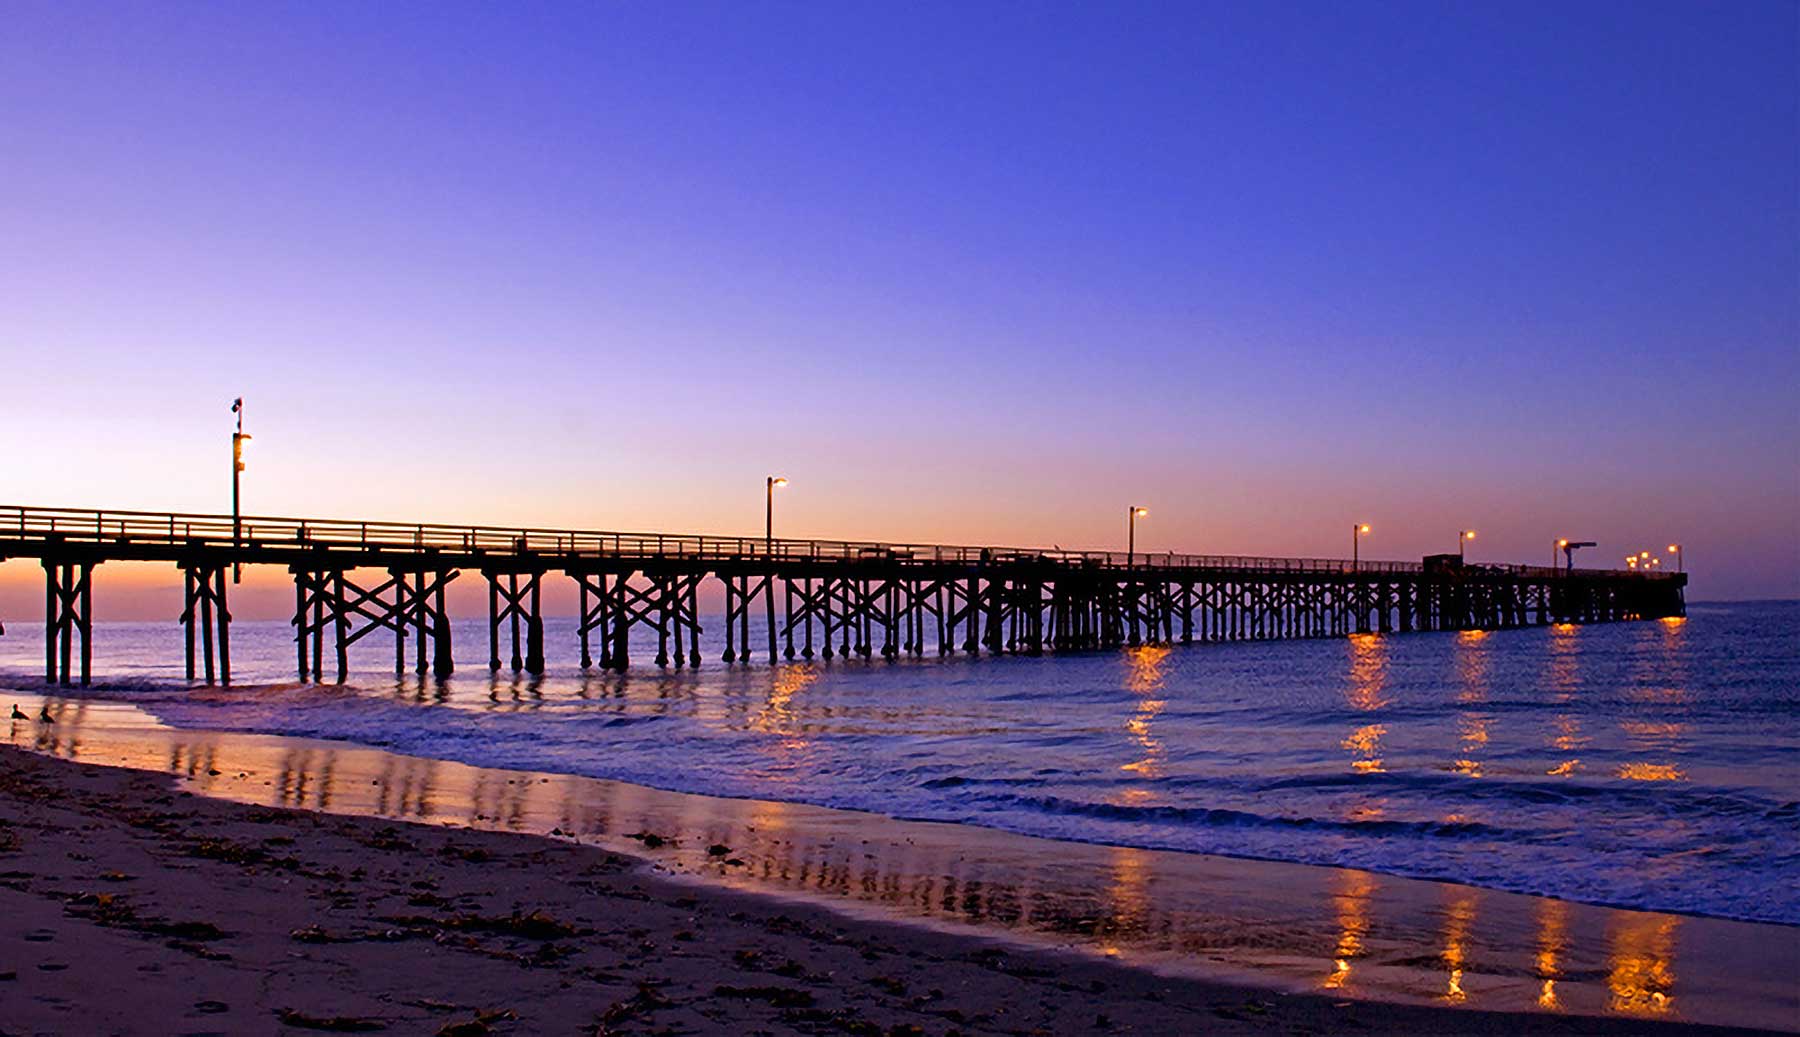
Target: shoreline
(1328, 944)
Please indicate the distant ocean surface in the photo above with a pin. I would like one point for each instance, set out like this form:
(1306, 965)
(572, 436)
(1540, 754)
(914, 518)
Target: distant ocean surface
(1652, 765)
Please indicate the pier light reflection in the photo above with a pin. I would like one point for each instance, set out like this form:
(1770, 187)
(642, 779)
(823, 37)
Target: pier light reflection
(1144, 679)
(1563, 678)
(1472, 664)
(1552, 945)
(1368, 672)
(1640, 976)
(1459, 918)
(1366, 692)
(1342, 931)
(1130, 917)
(1365, 744)
(1351, 899)
(788, 745)
(777, 715)
(1656, 735)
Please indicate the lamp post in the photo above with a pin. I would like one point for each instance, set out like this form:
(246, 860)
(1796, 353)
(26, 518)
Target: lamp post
(237, 470)
(768, 588)
(1357, 532)
(769, 513)
(1675, 549)
(1462, 538)
(1133, 513)
(1561, 542)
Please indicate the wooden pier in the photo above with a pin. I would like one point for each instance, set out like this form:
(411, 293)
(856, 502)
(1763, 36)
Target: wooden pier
(819, 598)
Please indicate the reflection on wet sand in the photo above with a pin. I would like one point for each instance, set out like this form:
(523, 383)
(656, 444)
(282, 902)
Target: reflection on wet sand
(1552, 940)
(1352, 902)
(1280, 923)
(1459, 918)
(1641, 975)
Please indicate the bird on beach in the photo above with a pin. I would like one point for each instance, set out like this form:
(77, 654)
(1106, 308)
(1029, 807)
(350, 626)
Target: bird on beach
(19, 714)
(44, 715)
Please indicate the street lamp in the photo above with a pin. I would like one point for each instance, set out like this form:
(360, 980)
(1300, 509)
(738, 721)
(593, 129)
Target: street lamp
(768, 588)
(1462, 538)
(237, 470)
(1357, 532)
(769, 513)
(1561, 543)
(1675, 549)
(1133, 513)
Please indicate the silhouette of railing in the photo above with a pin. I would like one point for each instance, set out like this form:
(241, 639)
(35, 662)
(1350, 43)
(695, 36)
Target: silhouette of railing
(275, 532)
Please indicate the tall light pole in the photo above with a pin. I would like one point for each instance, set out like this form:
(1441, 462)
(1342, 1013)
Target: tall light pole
(769, 513)
(1357, 532)
(1675, 549)
(1462, 538)
(1132, 513)
(768, 588)
(237, 471)
(1555, 548)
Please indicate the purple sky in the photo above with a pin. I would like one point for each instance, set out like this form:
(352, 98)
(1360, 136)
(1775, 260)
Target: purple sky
(961, 272)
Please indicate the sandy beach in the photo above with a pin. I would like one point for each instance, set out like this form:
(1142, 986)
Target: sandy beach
(135, 904)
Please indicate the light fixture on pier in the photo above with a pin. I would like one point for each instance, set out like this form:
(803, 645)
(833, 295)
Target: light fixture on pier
(1462, 538)
(1133, 513)
(1675, 549)
(1357, 532)
(769, 512)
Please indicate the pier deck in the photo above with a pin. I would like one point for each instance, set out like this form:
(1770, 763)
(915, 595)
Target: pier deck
(818, 597)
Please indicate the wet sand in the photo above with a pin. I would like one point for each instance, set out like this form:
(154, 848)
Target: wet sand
(226, 883)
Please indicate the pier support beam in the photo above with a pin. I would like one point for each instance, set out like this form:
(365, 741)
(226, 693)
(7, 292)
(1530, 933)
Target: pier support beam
(409, 600)
(207, 619)
(68, 616)
(419, 607)
(510, 602)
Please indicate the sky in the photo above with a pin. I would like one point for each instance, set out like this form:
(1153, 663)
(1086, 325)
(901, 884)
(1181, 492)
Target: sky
(973, 273)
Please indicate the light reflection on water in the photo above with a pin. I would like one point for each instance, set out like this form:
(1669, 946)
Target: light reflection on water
(1644, 764)
(1343, 931)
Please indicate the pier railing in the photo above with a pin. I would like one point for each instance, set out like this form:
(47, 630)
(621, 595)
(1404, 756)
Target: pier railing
(274, 532)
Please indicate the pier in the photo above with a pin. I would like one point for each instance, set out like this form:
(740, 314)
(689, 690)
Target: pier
(818, 598)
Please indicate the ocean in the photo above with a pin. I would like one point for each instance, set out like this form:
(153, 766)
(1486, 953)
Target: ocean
(1651, 765)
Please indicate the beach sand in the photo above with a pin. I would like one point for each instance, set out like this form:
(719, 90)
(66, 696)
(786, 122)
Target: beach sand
(133, 905)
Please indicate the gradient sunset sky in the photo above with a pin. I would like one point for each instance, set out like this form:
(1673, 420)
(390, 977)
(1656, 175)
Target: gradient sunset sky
(961, 272)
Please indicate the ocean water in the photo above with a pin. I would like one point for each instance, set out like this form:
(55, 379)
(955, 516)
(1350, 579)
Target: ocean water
(1652, 765)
